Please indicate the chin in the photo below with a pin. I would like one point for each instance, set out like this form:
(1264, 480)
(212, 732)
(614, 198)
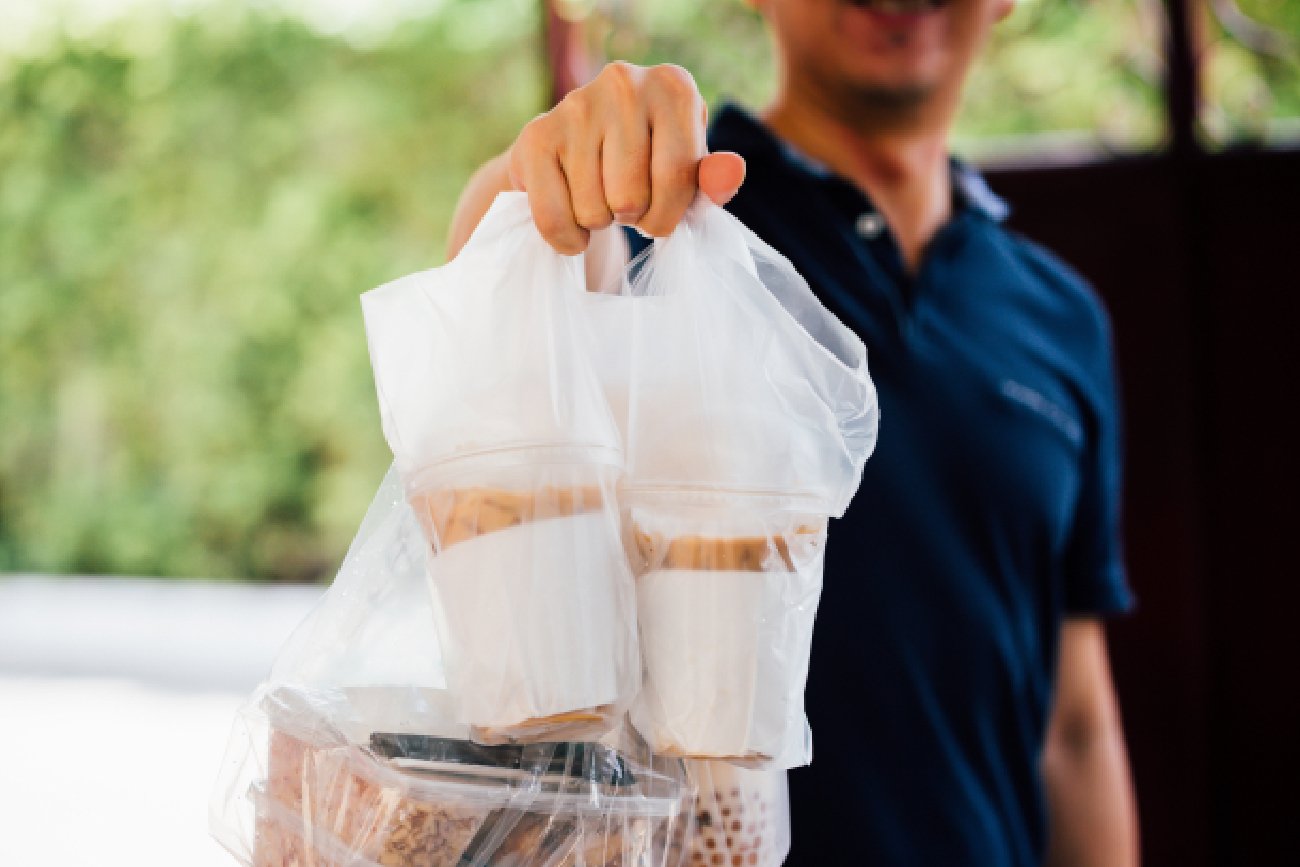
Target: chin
(893, 85)
(892, 95)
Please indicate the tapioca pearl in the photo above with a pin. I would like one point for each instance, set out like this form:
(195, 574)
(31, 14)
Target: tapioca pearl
(753, 858)
(718, 858)
(737, 826)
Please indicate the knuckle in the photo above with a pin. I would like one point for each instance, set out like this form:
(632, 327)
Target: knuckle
(657, 227)
(620, 74)
(622, 79)
(571, 243)
(577, 106)
(630, 202)
(532, 136)
(593, 217)
(675, 81)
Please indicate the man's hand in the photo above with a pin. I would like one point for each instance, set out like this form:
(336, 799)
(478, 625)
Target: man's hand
(629, 147)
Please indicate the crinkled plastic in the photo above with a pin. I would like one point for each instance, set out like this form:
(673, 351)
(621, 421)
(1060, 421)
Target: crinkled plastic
(352, 753)
(459, 696)
(747, 414)
(408, 799)
(490, 352)
(508, 452)
(727, 374)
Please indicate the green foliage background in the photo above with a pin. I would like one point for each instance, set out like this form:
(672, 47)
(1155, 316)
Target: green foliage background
(189, 208)
(190, 205)
(1250, 94)
(1084, 70)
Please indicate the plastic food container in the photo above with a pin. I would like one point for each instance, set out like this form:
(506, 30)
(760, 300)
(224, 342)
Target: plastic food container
(417, 801)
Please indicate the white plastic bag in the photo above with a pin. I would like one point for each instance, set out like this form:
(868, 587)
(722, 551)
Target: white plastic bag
(747, 414)
(351, 755)
(488, 597)
(508, 452)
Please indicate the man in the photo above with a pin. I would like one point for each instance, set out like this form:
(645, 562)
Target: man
(959, 693)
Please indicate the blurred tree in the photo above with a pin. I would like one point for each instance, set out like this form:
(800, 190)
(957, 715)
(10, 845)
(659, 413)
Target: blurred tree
(1252, 71)
(1083, 71)
(191, 203)
(189, 208)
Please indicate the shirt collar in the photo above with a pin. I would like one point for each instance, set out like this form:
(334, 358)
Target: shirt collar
(735, 128)
(975, 191)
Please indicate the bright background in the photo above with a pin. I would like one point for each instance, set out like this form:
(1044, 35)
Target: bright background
(193, 194)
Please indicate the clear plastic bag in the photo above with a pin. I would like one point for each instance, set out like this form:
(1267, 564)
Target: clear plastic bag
(508, 452)
(747, 414)
(458, 697)
(416, 800)
(423, 801)
(352, 754)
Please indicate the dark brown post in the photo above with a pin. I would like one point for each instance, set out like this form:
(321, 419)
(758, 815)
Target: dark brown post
(567, 63)
(1182, 73)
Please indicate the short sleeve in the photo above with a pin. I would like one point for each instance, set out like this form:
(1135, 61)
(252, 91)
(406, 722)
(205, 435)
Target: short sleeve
(1095, 578)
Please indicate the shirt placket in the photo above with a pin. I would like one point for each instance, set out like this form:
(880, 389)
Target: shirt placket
(881, 258)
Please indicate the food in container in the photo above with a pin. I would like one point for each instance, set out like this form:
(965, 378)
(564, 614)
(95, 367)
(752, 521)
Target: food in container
(410, 800)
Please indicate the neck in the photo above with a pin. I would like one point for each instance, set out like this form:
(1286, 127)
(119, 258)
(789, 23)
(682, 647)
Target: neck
(897, 155)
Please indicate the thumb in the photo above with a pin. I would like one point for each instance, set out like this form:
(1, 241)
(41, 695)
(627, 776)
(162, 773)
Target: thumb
(720, 175)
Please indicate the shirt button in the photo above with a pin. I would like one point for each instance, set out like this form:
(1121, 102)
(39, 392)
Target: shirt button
(870, 225)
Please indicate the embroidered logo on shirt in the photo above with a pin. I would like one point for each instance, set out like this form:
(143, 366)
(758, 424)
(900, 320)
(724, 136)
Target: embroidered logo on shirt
(1035, 401)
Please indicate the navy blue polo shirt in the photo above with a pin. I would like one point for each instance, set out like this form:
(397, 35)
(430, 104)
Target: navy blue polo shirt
(987, 515)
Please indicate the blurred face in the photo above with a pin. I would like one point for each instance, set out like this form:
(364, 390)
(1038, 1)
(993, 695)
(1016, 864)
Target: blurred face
(886, 52)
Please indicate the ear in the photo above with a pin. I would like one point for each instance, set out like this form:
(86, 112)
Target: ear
(1003, 8)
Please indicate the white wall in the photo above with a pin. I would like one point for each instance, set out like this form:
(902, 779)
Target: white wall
(116, 698)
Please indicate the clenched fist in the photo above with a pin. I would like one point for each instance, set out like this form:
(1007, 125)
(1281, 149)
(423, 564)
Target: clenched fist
(628, 147)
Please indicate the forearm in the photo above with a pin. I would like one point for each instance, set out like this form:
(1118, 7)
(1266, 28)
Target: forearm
(1092, 808)
(492, 178)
